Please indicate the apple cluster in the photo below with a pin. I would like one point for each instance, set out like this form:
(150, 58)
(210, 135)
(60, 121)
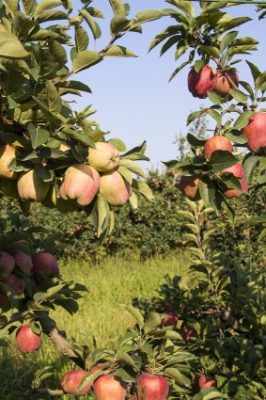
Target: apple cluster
(79, 185)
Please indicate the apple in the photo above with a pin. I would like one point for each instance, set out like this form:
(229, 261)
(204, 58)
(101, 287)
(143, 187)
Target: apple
(53, 200)
(114, 188)
(7, 264)
(215, 143)
(23, 261)
(7, 154)
(152, 387)
(189, 186)
(45, 264)
(81, 183)
(31, 187)
(199, 83)
(27, 340)
(15, 283)
(72, 380)
(205, 382)
(169, 318)
(255, 131)
(104, 157)
(108, 387)
(238, 171)
(225, 81)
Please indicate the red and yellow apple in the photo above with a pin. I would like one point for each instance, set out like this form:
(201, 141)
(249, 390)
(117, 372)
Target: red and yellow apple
(114, 188)
(16, 284)
(72, 380)
(199, 83)
(31, 187)
(215, 143)
(45, 264)
(238, 171)
(7, 264)
(108, 387)
(226, 80)
(27, 341)
(104, 157)
(23, 261)
(255, 131)
(169, 318)
(152, 387)
(189, 186)
(205, 382)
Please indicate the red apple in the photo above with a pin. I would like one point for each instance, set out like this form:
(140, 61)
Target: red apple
(23, 261)
(27, 340)
(7, 264)
(31, 187)
(15, 283)
(72, 380)
(152, 387)
(205, 382)
(189, 186)
(199, 83)
(108, 387)
(45, 263)
(238, 171)
(255, 131)
(81, 183)
(104, 157)
(7, 154)
(114, 188)
(226, 81)
(215, 143)
(169, 318)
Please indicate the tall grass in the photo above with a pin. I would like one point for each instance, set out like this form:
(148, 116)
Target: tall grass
(101, 313)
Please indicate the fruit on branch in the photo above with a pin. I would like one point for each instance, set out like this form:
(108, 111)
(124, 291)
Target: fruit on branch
(114, 188)
(255, 131)
(27, 341)
(169, 318)
(81, 183)
(31, 187)
(199, 83)
(7, 154)
(108, 387)
(189, 186)
(16, 284)
(215, 143)
(7, 264)
(152, 387)
(205, 382)
(72, 380)
(23, 261)
(45, 264)
(53, 200)
(226, 80)
(238, 171)
(104, 157)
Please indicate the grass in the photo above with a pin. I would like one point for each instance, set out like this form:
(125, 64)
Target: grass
(101, 313)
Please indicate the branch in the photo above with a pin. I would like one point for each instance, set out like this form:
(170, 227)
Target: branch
(112, 41)
(49, 392)
(58, 338)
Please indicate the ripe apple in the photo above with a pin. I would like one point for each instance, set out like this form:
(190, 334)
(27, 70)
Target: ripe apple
(215, 143)
(238, 171)
(152, 387)
(32, 187)
(199, 83)
(81, 183)
(45, 264)
(108, 387)
(255, 131)
(15, 283)
(114, 188)
(72, 380)
(169, 318)
(52, 200)
(223, 84)
(104, 157)
(23, 261)
(189, 186)
(7, 264)
(205, 382)
(27, 340)
(7, 154)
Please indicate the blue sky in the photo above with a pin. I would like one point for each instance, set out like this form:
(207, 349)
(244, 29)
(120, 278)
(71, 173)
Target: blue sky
(133, 98)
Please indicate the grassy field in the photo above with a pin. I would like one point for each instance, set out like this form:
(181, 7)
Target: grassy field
(101, 314)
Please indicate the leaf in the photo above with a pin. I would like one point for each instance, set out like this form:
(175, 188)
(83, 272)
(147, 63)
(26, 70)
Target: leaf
(81, 38)
(103, 214)
(39, 137)
(183, 5)
(145, 190)
(85, 59)
(118, 7)
(76, 85)
(215, 115)
(133, 201)
(239, 96)
(118, 51)
(29, 6)
(254, 70)
(45, 5)
(53, 98)
(136, 314)
(232, 23)
(150, 15)
(194, 141)
(178, 69)
(94, 27)
(177, 376)
(215, 97)
(119, 144)
(194, 115)
(260, 81)
(222, 159)
(207, 192)
(126, 174)
(250, 163)
(227, 40)
(125, 375)
(210, 51)
(243, 120)
(132, 166)
(10, 46)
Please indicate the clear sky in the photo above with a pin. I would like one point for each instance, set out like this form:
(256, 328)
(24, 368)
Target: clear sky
(133, 98)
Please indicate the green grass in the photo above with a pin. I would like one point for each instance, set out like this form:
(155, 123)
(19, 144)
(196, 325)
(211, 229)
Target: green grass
(101, 314)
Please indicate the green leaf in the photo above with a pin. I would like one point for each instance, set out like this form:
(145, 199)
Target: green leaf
(210, 51)
(178, 69)
(136, 314)
(222, 159)
(103, 214)
(119, 51)
(119, 144)
(76, 85)
(215, 97)
(150, 15)
(226, 25)
(215, 115)
(239, 96)
(132, 166)
(29, 6)
(133, 201)
(39, 137)
(207, 191)
(53, 98)
(175, 374)
(254, 70)
(250, 163)
(10, 46)
(45, 5)
(81, 38)
(194, 115)
(125, 375)
(183, 5)
(94, 27)
(194, 141)
(85, 59)
(260, 81)
(118, 7)
(145, 190)
(227, 40)
(126, 174)
(243, 120)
